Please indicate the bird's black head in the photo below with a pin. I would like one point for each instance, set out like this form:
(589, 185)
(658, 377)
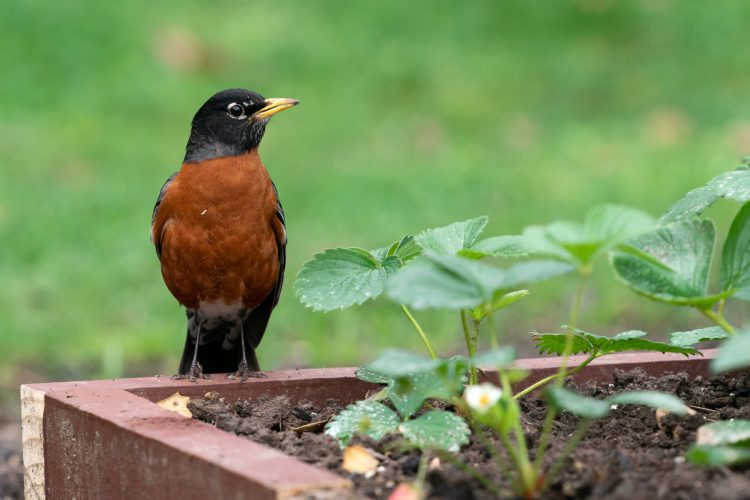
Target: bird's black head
(231, 123)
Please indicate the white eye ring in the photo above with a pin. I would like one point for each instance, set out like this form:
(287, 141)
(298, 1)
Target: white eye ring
(236, 111)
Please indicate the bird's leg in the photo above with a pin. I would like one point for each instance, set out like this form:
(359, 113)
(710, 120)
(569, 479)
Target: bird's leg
(243, 370)
(196, 370)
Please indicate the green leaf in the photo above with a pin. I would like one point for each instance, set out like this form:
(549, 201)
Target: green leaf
(533, 271)
(734, 185)
(445, 282)
(588, 343)
(341, 277)
(725, 432)
(408, 393)
(684, 250)
(604, 227)
(734, 353)
(504, 300)
(445, 380)
(718, 455)
(407, 249)
(448, 240)
(398, 363)
(436, 429)
(496, 246)
(692, 337)
(499, 358)
(366, 374)
(735, 257)
(450, 282)
(577, 404)
(652, 399)
(365, 417)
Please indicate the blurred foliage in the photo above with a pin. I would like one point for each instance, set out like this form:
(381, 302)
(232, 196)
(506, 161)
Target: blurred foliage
(410, 118)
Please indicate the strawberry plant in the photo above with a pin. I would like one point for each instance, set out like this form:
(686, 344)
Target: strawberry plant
(667, 260)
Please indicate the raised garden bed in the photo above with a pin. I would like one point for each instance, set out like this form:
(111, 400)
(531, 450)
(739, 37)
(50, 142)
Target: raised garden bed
(108, 439)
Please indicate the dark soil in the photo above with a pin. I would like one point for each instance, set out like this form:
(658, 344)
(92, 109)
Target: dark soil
(628, 455)
(11, 466)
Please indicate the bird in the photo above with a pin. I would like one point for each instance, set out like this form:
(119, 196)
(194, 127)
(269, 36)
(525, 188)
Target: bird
(219, 232)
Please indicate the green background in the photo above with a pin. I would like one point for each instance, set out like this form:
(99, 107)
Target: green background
(413, 115)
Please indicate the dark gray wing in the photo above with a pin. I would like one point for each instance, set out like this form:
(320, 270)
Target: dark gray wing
(256, 323)
(162, 192)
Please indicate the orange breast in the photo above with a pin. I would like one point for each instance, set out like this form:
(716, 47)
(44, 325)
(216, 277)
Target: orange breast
(219, 232)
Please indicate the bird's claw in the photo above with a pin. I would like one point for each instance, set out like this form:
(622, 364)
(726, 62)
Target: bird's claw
(243, 373)
(196, 372)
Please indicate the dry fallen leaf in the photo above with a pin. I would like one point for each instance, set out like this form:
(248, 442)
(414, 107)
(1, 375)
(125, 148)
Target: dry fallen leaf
(177, 404)
(358, 460)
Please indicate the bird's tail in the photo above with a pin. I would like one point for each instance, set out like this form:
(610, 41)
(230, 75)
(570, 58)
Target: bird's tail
(215, 354)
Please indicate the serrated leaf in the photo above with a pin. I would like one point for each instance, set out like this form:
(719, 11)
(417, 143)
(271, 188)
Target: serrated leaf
(718, 455)
(604, 227)
(533, 271)
(496, 246)
(366, 374)
(724, 432)
(408, 393)
(407, 249)
(734, 353)
(364, 417)
(735, 256)
(577, 404)
(436, 429)
(653, 399)
(341, 277)
(504, 300)
(733, 185)
(498, 358)
(692, 337)
(445, 380)
(588, 343)
(448, 240)
(398, 363)
(684, 250)
(445, 282)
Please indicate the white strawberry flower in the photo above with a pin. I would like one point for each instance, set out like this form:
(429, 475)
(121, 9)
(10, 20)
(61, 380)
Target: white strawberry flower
(482, 397)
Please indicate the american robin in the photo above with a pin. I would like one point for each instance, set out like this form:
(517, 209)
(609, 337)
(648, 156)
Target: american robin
(220, 235)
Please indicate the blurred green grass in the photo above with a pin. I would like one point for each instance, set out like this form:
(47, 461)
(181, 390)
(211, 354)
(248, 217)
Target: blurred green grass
(410, 118)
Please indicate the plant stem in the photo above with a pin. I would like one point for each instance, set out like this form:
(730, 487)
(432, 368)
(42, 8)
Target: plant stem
(492, 451)
(494, 342)
(583, 425)
(422, 334)
(469, 348)
(422, 471)
(575, 308)
(552, 377)
(719, 320)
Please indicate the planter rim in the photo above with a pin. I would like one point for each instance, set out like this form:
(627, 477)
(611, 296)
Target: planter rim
(110, 436)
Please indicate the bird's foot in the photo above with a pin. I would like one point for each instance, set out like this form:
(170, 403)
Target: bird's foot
(196, 372)
(244, 372)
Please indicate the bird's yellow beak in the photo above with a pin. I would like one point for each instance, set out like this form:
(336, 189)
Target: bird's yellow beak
(273, 106)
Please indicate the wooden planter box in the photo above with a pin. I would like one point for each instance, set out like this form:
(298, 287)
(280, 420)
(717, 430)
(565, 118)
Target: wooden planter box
(107, 439)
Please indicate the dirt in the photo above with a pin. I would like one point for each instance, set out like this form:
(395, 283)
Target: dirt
(628, 455)
(11, 466)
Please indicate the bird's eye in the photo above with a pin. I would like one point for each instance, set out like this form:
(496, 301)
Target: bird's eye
(235, 110)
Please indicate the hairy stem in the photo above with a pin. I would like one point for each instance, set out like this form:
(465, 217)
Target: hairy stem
(552, 377)
(575, 309)
(469, 347)
(719, 319)
(422, 334)
(494, 342)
